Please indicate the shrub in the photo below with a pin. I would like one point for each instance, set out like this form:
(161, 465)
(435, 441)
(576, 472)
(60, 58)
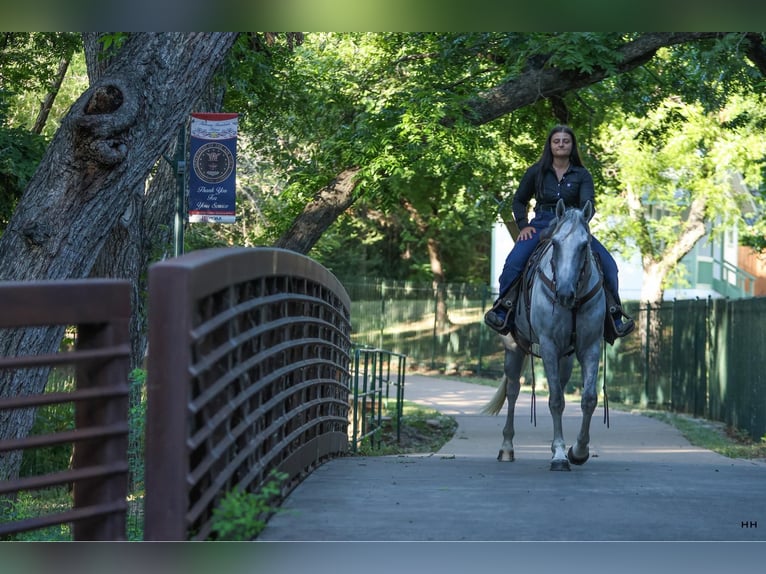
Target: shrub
(242, 515)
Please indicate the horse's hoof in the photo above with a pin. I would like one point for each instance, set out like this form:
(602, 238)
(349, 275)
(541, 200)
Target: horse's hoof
(574, 460)
(505, 456)
(560, 464)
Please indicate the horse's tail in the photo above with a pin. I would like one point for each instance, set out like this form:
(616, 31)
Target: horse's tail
(496, 404)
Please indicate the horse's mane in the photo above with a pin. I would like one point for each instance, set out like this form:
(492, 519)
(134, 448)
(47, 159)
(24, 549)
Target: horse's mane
(553, 225)
(548, 231)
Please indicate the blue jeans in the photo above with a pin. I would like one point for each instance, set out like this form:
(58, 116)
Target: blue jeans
(522, 250)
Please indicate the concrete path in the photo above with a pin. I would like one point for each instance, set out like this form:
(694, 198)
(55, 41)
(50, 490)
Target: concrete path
(644, 482)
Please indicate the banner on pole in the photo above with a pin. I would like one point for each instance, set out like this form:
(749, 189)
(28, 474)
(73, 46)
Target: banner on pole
(212, 178)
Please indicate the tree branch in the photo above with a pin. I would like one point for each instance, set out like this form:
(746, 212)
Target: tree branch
(535, 84)
(328, 204)
(692, 231)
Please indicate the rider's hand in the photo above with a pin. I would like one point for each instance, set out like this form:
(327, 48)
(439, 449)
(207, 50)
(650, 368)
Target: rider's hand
(527, 233)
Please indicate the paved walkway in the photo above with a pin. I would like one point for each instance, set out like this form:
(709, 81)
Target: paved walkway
(644, 482)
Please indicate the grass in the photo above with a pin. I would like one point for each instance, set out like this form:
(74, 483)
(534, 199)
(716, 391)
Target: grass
(712, 435)
(421, 430)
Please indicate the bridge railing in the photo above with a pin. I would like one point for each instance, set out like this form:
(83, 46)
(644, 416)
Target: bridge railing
(98, 312)
(375, 373)
(248, 372)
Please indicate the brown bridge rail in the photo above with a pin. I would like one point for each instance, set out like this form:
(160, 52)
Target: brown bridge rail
(248, 372)
(99, 310)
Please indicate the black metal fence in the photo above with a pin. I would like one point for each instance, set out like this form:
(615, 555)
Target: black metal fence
(404, 317)
(702, 357)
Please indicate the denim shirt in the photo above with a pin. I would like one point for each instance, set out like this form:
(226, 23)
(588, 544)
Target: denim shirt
(575, 188)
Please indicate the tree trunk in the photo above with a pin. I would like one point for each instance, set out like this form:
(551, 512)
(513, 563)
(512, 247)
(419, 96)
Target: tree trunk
(441, 319)
(104, 150)
(121, 256)
(144, 231)
(434, 258)
(656, 269)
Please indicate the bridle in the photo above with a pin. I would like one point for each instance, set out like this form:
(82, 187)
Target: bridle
(586, 270)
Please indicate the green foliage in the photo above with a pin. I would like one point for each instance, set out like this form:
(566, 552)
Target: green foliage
(136, 441)
(20, 153)
(51, 419)
(111, 43)
(242, 515)
(376, 101)
(33, 504)
(28, 61)
(583, 52)
(28, 64)
(670, 157)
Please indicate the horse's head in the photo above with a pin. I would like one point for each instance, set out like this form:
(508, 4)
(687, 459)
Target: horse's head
(570, 239)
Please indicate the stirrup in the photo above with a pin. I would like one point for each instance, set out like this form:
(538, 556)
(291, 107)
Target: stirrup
(495, 323)
(626, 323)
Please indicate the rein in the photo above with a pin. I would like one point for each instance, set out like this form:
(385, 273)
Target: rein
(606, 398)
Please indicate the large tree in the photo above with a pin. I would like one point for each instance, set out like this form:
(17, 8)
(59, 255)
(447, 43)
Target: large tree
(95, 166)
(536, 67)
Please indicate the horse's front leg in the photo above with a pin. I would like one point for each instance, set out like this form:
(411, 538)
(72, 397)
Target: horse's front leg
(512, 389)
(589, 361)
(556, 407)
(515, 359)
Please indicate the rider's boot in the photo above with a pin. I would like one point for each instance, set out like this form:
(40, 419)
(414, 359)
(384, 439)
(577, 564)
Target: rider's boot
(500, 317)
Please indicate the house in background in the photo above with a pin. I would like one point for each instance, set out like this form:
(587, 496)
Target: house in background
(755, 264)
(714, 268)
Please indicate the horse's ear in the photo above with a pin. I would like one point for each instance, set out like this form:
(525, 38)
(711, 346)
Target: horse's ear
(587, 211)
(560, 208)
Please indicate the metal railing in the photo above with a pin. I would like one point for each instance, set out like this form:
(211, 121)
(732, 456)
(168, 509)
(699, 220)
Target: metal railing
(375, 372)
(248, 372)
(99, 311)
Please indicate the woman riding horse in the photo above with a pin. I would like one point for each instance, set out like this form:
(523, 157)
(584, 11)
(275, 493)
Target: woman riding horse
(559, 174)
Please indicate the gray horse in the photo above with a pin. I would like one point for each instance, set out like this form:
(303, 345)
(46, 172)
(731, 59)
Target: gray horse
(559, 315)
